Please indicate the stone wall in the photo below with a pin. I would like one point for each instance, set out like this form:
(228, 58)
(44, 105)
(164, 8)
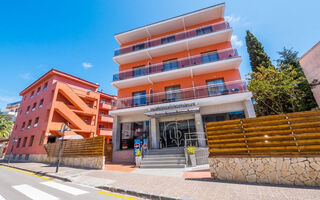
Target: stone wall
(302, 171)
(123, 156)
(95, 162)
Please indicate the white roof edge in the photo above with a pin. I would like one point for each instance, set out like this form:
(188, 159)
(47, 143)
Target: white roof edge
(171, 19)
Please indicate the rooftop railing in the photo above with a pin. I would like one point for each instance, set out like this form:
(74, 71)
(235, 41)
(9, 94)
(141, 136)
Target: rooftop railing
(173, 38)
(177, 64)
(204, 91)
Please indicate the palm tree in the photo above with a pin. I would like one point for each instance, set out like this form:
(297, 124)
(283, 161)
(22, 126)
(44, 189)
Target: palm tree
(5, 126)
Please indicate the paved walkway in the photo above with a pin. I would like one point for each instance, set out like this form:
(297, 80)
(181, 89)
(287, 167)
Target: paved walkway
(175, 183)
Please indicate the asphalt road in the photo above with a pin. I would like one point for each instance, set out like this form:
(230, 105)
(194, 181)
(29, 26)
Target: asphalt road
(21, 185)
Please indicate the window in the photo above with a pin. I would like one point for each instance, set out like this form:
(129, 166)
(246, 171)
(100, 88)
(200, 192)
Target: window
(36, 122)
(100, 127)
(236, 115)
(41, 139)
(23, 125)
(130, 131)
(173, 93)
(170, 65)
(139, 71)
(24, 142)
(28, 109)
(204, 30)
(215, 117)
(41, 103)
(31, 141)
(168, 39)
(19, 141)
(38, 91)
(29, 124)
(32, 94)
(103, 101)
(209, 57)
(90, 89)
(45, 86)
(34, 106)
(216, 87)
(102, 114)
(138, 47)
(139, 98)
(86, 121)
(27, 156)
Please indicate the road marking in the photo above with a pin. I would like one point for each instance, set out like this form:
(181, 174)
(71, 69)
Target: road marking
(2, 198)
(34, 193)
(29, 173)
(64, 188)
(117, 195)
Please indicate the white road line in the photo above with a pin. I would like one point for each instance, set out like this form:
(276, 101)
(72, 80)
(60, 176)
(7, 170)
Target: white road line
(34, 193)
(65, 188)
(2, 198)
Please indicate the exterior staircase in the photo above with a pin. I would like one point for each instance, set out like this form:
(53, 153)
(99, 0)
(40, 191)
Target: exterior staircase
(164, 158)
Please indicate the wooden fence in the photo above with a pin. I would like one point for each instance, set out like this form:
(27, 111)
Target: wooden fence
(73, 148)
(286, 134)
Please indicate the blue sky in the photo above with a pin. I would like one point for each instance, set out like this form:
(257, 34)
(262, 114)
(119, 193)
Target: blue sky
(77, 36)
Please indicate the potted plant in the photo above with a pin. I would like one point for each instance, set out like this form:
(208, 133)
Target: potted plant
(191, 150)
(138, 158)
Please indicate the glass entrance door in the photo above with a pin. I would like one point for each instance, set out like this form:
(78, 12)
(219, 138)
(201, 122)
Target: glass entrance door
(172, 132)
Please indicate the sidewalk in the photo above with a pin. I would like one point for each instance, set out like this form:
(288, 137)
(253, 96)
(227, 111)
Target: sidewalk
(171, 183)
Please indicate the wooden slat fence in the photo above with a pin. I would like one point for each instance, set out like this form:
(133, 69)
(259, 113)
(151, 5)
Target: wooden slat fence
(286, 134)
(73, 148)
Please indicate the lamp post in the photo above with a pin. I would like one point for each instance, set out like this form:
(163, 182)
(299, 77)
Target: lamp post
(13, 142)
(65, 127)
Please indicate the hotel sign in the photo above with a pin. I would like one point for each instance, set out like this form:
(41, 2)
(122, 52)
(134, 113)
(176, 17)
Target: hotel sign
(173, 109)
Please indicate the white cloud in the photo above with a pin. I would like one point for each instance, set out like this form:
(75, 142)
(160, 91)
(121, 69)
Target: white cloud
(232, 19)
(8, 99)
(235, 41)
(26, 76)
(86, 65)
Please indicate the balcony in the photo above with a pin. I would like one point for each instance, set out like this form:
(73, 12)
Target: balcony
(210, 90)
(105, 106)
(190, 39)
(105, 131)
(196, 65)
(105, 118)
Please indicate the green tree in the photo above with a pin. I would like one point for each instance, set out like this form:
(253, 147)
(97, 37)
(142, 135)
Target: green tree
(289, 57)
(257, 55)
(275, 90)
(5, 126)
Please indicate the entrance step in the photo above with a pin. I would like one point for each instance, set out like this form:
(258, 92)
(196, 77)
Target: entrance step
(162, 165)
(164, 158)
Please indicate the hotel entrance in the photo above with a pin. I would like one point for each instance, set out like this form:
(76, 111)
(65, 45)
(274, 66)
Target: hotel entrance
(172, 132)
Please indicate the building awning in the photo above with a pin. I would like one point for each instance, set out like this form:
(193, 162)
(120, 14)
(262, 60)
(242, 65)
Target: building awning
(175, 109)
(72, 137)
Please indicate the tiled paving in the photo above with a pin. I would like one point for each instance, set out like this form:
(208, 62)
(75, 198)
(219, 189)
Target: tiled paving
(185, 184)
(119, 167)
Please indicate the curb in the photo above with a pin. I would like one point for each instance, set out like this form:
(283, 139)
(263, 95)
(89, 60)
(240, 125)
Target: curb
(38, 173)
(107, 188)
(136, 194)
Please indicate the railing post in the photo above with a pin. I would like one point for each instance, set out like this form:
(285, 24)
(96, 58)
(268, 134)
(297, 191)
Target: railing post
(244, 136)
(293, 134)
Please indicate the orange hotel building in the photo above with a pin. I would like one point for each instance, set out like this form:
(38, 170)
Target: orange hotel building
(175, 75)
(54, 99)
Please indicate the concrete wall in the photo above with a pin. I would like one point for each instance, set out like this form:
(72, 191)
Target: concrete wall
(310, 63)
(303, 171)
(95, 162)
